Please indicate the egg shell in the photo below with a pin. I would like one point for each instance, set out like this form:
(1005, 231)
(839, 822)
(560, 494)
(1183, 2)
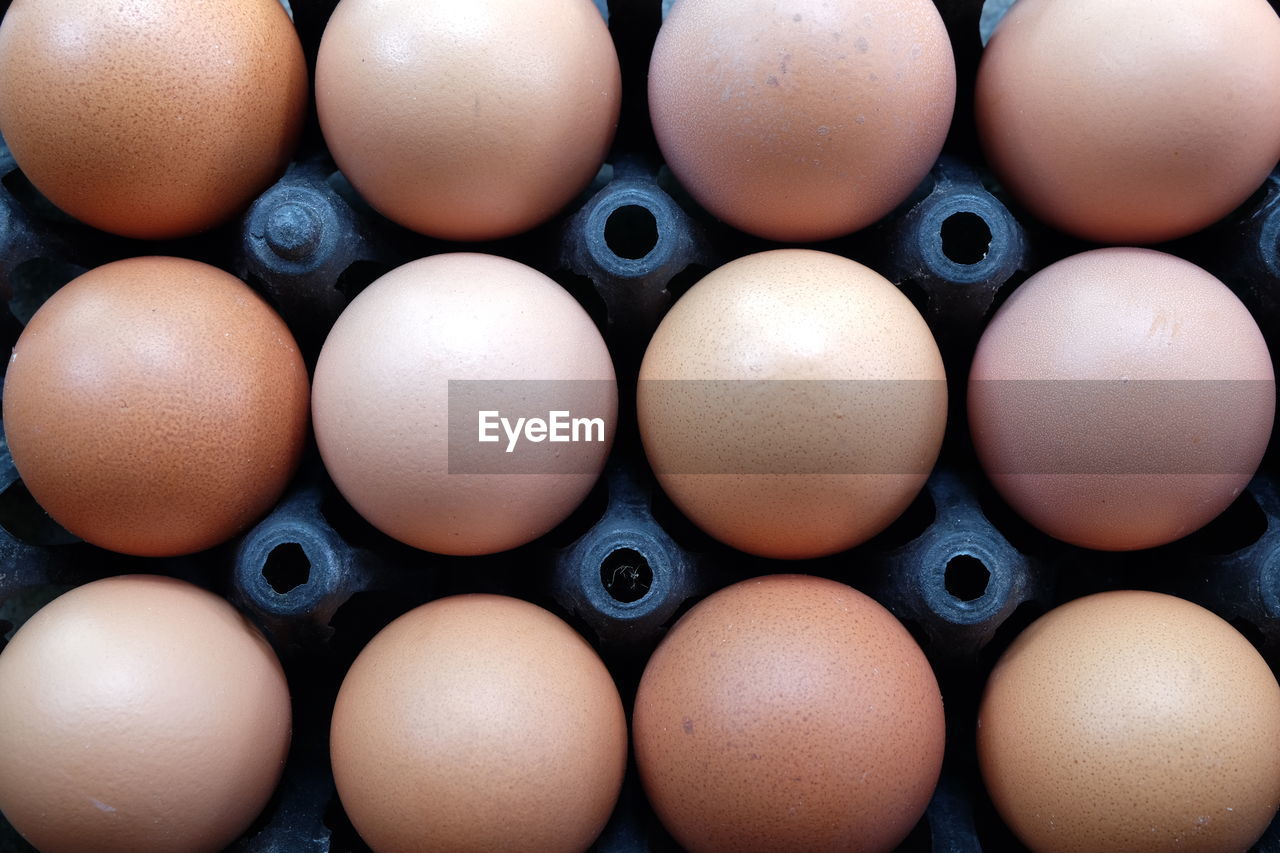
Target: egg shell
(156, 406)
(148, 118)
(1150, 405)
(792, 403)
(468, 119)
(1132, 721)
(139, 714)
(382, 396)
(1127, 121)
(478, 722)
(801, 120)
(788, 713)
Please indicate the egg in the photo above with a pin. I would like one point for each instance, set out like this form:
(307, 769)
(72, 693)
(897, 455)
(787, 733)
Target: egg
(1132, 721)
(1127, 121)
(139, 714)
(148, 118)
(478, 722)
(468, 119)
(788, 713)
(792, 403)
(417, 365)
(1121, 399)
(156, 406)
(801, 120)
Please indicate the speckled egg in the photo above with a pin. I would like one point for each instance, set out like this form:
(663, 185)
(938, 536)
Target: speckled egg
(801, 120)
(139, 714)
(156, 406)
(415, 363)
(1121, 399)
(1132, 721)
(468, 119)
(788, 713)
(1129, 121)
(792, 403)
(149, 118)
(478, 722)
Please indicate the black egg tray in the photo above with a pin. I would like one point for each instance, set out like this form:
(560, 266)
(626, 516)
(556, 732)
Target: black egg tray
(961, 570)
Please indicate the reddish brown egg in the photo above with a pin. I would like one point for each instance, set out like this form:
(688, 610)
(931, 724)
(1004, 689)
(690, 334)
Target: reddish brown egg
(788, 713)
(792, 403)
(1121, 399)
(478, 722)
(1132, 721)
(139, 714)
(149, 118)
(1128, 121)
(417, 360)
(156, 406)
(804, 119)
(468, 119)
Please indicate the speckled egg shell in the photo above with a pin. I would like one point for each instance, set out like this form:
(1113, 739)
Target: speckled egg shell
(382, 393)
(149, 118)
(139, 714)
(1132, 721)
(468, 119)
(478, 722)
(788, 713)
(156, 406)
(1150, 402)
(794, 468)
(1128, 121)
(801, 120)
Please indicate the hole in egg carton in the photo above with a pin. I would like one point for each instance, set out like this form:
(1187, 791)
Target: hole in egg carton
(631, 231)
(966, 238)
(626, 575)
(287, 567)
(966, 577)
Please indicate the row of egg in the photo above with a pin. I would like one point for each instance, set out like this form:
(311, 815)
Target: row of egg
(144, 714)
(792, 403)
(1129, 122)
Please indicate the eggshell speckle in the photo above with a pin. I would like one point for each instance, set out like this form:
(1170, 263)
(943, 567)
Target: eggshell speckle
(468, 119)
(792, 403)
(156, 406)
(1121, 398)
(382, 395)
(149, 118)
(788, 713)
(1132, 721)
(478, 722)
(1128, 121)
(139, 714)
(801, 120)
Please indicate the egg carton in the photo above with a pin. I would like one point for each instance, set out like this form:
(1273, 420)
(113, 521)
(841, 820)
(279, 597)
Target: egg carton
(959, 568)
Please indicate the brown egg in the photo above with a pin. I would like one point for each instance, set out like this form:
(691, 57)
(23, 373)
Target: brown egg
(468, 119)
(150, 118)
(1132, 721)
(792, 403)
(801, 120)
(788, 713)
(413, 364)
(478, 722)
(1121, 399)
(156, 406)
(139, 714)
(1128, 121)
